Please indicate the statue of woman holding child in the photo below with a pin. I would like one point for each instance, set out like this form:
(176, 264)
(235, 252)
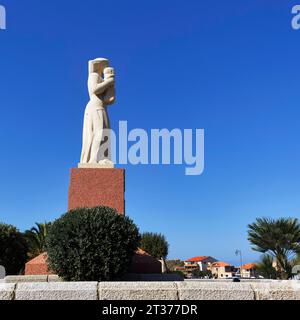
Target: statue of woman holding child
(101, 86)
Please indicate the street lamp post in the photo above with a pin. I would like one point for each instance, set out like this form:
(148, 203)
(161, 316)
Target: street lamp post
(239, 252)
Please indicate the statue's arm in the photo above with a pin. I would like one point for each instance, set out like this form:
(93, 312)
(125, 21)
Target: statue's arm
(110, 96)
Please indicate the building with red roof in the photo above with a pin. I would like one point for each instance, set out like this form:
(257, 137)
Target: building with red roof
(222, 270)
(249, 270)
(199, 263)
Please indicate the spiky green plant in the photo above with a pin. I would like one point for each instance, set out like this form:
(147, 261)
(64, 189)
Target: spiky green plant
(279, 238)
(36, 238)
(266, 267)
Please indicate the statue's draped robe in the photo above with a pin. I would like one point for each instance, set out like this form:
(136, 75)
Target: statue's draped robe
(96, 120)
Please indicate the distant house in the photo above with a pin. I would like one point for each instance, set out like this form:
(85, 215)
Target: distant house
(200, 263)
(249, 270)
(222, 270)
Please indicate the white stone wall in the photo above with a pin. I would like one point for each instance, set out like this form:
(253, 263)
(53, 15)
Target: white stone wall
(163, 290)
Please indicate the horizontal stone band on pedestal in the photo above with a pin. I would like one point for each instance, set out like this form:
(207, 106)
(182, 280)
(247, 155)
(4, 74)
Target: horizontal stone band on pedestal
(109, 165)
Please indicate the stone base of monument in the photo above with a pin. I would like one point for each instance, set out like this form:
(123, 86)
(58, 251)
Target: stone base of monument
(98, 186)
(92, 187)
(142, 263)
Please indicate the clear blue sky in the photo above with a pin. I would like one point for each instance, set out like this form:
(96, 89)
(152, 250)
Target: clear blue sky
(230, 67)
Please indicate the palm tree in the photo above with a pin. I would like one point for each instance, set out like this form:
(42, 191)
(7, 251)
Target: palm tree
(279, 238)
(36, 237)
(296, 261)
(266, 267)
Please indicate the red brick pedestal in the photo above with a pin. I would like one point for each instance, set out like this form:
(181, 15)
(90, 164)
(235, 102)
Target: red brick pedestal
(97, 187)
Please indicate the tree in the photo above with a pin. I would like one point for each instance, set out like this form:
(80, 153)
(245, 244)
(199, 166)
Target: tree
(279, 238)
(155, 244)
(296, 261)
(173, 264)
(13, 249)
(92, 244)
(36, 237)
(202, 274)
(266, 267)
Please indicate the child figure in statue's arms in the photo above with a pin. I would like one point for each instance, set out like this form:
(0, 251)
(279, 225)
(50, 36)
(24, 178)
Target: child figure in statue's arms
(110, 93)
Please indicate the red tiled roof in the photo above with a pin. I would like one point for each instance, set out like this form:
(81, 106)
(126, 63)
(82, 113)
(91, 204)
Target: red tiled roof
(197, 259)
(220, 264)
(249, 265)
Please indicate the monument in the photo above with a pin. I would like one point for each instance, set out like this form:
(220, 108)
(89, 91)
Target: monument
(96, 182)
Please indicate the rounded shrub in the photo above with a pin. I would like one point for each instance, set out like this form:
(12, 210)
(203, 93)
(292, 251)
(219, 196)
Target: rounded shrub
(91, 244)
(13, 249)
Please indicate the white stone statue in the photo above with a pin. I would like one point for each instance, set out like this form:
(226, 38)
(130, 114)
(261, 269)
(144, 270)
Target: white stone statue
(101, 86)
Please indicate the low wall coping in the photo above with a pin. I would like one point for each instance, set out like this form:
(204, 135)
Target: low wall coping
(160, 290)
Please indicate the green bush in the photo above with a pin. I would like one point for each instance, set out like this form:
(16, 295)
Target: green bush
(13, 249)
(91, 244)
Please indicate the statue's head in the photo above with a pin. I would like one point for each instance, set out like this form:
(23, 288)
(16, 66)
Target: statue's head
(98, 65)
